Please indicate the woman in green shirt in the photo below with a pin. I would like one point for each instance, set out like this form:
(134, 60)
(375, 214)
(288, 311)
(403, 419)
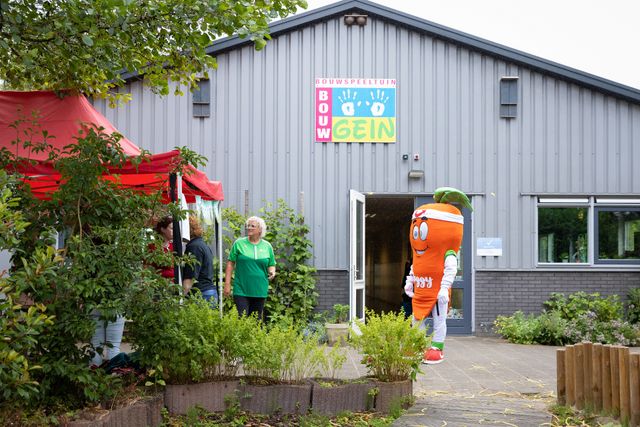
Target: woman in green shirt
(254, 263)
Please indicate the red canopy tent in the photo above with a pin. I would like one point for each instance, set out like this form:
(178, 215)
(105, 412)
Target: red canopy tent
(23, 113)
(27, 114)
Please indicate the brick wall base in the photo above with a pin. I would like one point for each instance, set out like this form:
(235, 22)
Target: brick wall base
(503, 293)
(332, 287)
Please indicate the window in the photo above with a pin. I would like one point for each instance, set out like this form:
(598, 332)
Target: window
(588, 231)
(618, 231)
(562, 234)
(508, 97)
(202, 99)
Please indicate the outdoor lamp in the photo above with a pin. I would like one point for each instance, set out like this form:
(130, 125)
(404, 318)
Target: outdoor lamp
(416, 174)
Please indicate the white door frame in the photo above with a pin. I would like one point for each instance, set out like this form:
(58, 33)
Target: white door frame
(357, 255)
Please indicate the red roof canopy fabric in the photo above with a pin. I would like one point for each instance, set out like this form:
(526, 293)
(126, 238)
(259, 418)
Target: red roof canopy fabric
(63, 118)
(60, 117)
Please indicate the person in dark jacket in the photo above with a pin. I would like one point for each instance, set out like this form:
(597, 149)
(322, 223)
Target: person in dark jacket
(198, 277)
(406, 299)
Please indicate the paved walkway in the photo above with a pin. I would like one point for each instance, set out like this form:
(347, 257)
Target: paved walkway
(485, 382)
(481, 382)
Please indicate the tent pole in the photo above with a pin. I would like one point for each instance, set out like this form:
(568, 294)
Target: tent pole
(177, 239)
(220, 255)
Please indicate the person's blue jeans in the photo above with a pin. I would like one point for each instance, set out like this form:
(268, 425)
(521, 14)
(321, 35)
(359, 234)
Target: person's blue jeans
(211, 297)
(107, 335)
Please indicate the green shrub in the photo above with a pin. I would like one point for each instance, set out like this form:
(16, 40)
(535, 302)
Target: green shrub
(633, 306)
(340, 313)
(579, 303)
(519, 328)
(20, 329)
(281, 353)
(587, 328)
(569, 320)
(190, 342)
(391, 348)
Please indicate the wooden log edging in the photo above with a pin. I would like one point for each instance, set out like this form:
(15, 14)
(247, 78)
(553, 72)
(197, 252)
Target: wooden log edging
(602, 378)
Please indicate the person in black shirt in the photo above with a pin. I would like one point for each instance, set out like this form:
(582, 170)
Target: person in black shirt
(199, 276)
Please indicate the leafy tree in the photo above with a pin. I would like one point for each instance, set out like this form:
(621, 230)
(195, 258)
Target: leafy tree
(86, 44)
(101, 267)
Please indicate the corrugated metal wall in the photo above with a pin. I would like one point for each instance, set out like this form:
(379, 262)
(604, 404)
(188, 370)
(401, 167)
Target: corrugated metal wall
(566, 139)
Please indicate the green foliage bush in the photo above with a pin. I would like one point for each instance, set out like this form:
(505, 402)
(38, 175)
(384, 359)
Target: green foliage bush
(577, 304)
(101, 264)
(519, 328)
(280, 352)
(391, 348)
(292, 293)
(19, 327)
(633, 306)
(340, 313)
(188, 341)
(569, 320)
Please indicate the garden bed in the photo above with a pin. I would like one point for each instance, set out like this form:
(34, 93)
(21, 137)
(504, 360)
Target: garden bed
(330, 397)
(178, 398)
(144, 412)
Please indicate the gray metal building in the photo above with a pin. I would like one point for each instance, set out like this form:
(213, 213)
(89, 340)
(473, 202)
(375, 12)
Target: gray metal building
(549, 155)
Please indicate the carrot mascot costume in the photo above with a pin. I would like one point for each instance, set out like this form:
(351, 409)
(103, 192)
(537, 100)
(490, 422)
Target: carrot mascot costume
(435, 236)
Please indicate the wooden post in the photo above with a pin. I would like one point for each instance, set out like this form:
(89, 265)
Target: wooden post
(579, 375)
(606, 378)
(596, 381)
(569, 374)
(560, 376)
(588, 374)
(625, 402)
(634, 388)
(615, 381)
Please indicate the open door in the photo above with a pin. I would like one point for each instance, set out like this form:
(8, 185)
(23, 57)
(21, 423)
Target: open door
(356, 264)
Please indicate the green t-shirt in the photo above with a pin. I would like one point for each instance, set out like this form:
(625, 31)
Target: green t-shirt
(251, 273)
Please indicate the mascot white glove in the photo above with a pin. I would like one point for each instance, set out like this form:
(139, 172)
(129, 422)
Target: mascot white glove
(443, 296)
(450, 268)
(408, 287)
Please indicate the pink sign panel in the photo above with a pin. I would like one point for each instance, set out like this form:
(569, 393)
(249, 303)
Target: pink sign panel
(323, 114)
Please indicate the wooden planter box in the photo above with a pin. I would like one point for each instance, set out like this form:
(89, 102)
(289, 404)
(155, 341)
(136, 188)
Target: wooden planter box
(338, 396)
(143, 413)
(282, 398)
(210, 395)
(393, 393)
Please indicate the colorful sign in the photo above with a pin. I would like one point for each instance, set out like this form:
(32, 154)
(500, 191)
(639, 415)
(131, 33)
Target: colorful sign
(355, 110)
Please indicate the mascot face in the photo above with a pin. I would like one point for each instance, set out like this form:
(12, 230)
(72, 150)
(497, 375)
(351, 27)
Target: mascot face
(435, 229)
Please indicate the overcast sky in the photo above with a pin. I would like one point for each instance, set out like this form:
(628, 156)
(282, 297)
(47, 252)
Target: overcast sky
(597, 36)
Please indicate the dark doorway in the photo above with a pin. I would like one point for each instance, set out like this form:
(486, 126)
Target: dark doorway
(386, 247)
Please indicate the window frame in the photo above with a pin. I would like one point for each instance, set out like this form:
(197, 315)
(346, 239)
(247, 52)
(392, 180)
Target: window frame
(201, 99)
(564, 202)
(602, 207)
(594, 205)
(509, 96)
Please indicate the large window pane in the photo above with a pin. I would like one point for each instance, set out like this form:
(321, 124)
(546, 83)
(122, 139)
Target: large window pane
(562, 234)
(618, 234)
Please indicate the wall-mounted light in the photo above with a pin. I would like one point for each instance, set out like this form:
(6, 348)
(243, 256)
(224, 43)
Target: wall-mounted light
(416, 174)
(360, 20)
